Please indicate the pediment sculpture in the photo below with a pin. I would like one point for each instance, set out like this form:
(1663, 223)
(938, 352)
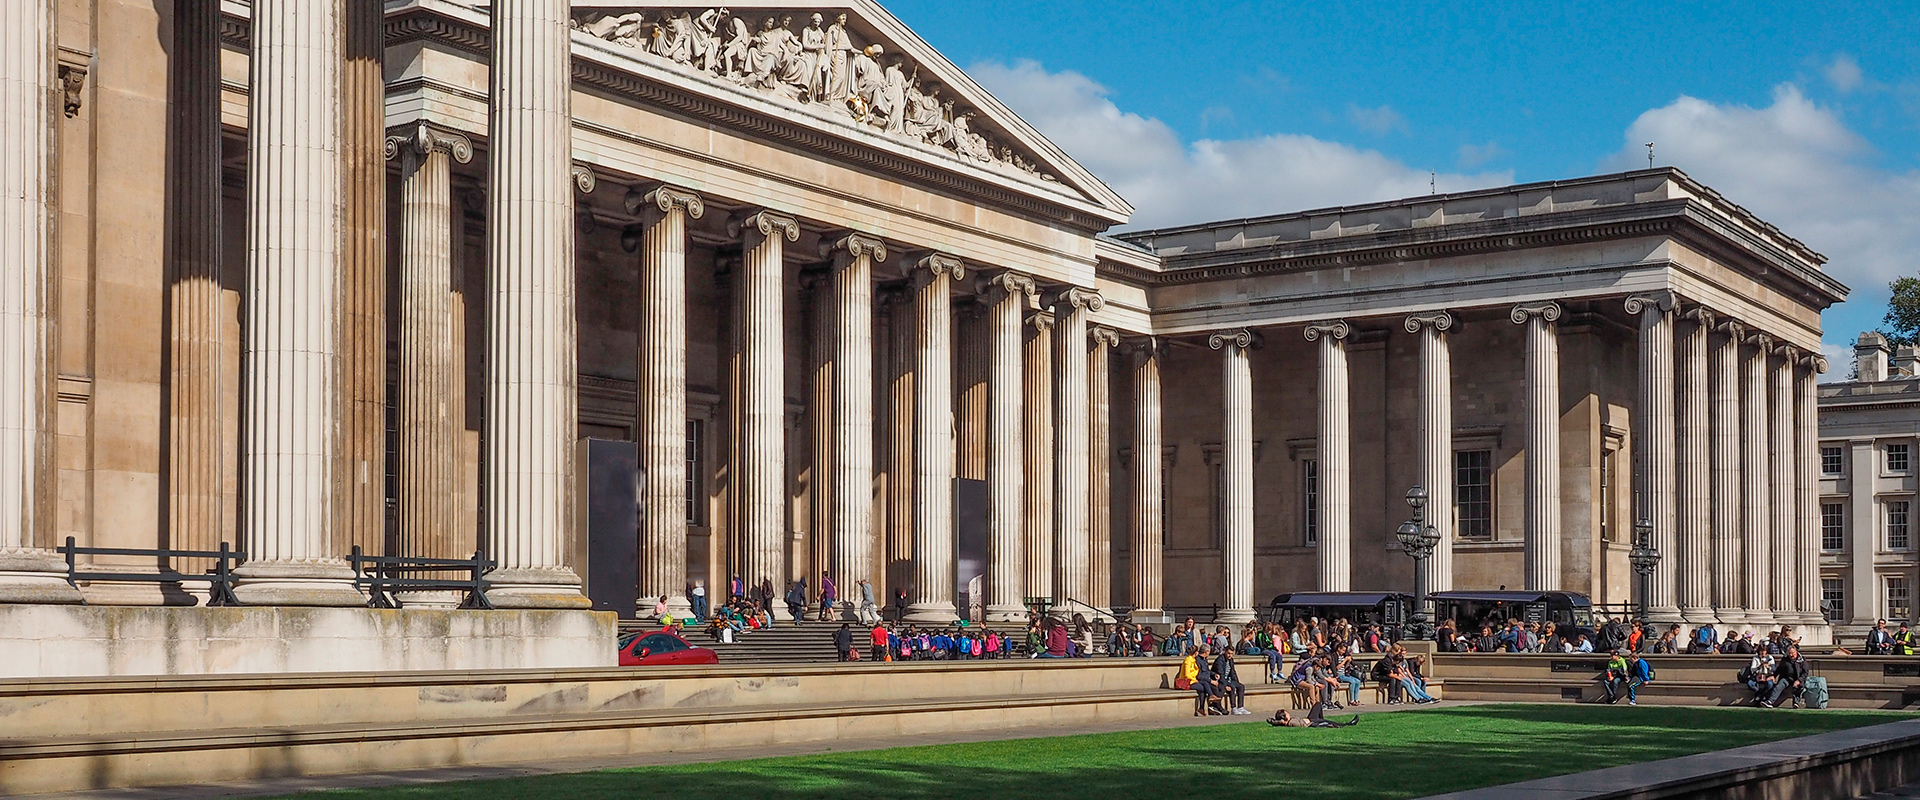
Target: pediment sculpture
(821, 62)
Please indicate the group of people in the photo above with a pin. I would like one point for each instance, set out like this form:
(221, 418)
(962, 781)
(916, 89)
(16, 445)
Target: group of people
(1773, 677)
(1325, 663)
(957, 642)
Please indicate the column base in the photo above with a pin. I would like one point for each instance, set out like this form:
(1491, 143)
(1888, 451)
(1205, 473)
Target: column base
(297, 583)
(679, 606)
(941, 613)
(1729, 619)
(1697, 616)
(1234, 616)
(1665, 616)
(535, 587)
(1013, 612)
(35, 576)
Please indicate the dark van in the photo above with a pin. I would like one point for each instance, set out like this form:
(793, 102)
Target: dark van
(1389, 609)
(1571, 612)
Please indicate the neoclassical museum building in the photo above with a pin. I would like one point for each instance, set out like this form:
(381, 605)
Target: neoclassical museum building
(427, 277)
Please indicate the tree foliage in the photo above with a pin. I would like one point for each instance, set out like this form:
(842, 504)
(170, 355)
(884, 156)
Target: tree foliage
(1903, 312)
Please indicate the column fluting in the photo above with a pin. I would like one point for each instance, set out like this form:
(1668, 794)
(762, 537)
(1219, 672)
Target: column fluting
(1099, 589)
(1543, 443)
(1039, 457)
(1654, 443)
(852, 532)
(1236, 557)
(759, 403)
(1436, 438)
(293, 274)
(1728, 558)
(1782, 497)
(1071, 437)
(1148, 532)
(1694, 521)
(1806, 437)
(1006, 473)
(360, 457)
(933, 542)
(662, 398)
(903, 352)
(1756, 514)
(1334, 451)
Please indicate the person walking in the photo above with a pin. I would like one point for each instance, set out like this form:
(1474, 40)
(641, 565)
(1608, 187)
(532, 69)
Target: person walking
(697, 597)
(829, 595)
(843, 642)
(869, 613)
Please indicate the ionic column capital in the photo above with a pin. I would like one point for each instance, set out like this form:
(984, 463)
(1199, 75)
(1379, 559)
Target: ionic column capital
(584, 179)
(935, 265)
(1336, 329)
(1763, 341)
(1238, 337)
(424, 139)
(665, 199)
(1702, 315)
(1144, 348)
(1041, 321)
(1103, 336)
(1438, 321)
(1662, 301)
(855, 245)
(1732, 328)
(1524, 313)
(1077, 297)
(767, 224)
(1014, 283)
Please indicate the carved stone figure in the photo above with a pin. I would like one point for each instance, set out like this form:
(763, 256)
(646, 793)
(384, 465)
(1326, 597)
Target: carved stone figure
(813, 59)
(706, 39)
(895, 108)
(736, 57)
(620, 28)
(673, 39)
(839, 49)
(868, 84)
(924, 119)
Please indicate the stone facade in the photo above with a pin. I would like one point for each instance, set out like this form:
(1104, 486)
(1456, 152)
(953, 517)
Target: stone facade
(832, 289)
(1867, 429)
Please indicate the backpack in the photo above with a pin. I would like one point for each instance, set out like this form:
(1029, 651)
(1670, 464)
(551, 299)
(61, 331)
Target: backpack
(1816, 692)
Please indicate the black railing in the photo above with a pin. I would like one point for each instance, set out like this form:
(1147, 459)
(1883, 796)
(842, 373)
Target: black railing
(219, 579)
(385, 576)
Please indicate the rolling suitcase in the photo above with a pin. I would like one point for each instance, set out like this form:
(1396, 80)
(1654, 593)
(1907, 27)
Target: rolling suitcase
(1816, 693)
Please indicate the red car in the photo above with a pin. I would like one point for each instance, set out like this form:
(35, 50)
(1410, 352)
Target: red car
(662, 647)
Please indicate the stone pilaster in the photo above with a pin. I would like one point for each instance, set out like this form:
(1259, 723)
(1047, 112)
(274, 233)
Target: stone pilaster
(852, 482)
(1543, 443)
(1335, 539)
(759, 401)
(1149, 537)
(661, 407)
(1694, 521)
(532, 373)
(197, 452)
(1039, 457)
(360, 459)
(1782, 498)
(1436, 438)
(1728, 558)
(28, 572)
(1006, 450)
(1756, 514)
(293, 274)
(933, 542)
(1654, 444)
(430, 387)
(1806, 440)
(1236, 556)
(1099, 590)
(1071, 436)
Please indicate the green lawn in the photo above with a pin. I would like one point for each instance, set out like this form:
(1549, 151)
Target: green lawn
(1396, 755)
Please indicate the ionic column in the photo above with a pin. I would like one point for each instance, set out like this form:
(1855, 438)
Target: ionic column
(360, 456)
(1654, 442)
(1099, 590)
(1782, 497)
(933, 541)
(902, 352)
(1756, 514)
(1728, 558)
(428, 387)
(293, 269)
(1147, 593)
(852, 482)
(1006, 451)
(1543, 443)
(28, 573)
(662, 397)
(1806, 437)
(813, 523)
(1071, 435)
(1436, 438)
(1236, 556)
(1039, 457)
(1335, 541)
(532, 411)
(1694, 521)
(759, 401)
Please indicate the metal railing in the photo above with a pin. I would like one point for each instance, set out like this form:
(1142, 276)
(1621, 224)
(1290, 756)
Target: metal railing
(383, 577)
(219, 579)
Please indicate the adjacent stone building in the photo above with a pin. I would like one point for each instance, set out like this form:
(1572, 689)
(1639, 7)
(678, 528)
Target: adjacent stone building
(1868, 426)
(303, 277)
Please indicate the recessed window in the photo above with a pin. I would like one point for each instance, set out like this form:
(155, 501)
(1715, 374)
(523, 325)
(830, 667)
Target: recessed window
(1897, 528)
(1473, 494)
(1898, 603)
(1833, 527)
(1310, 501)
(1833, 461)
(1833, 600)
(1899, 457)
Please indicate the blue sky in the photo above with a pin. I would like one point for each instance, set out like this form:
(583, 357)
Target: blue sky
(1808, 114)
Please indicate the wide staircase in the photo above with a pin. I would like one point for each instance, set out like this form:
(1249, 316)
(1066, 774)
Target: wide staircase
(786, 643)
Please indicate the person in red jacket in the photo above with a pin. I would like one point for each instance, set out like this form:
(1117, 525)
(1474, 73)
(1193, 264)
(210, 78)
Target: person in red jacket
(879, 638)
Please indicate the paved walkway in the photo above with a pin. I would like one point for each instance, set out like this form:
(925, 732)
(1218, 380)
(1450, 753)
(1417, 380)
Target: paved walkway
(279, 786)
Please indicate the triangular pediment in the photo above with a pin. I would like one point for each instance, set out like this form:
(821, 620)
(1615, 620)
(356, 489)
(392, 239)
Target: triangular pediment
(858, 70)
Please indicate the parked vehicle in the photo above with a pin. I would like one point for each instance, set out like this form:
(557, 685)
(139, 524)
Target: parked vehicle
(662, 647)
(1570, 612)
(1390, 610)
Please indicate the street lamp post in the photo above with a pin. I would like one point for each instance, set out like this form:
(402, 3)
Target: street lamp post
(1644, 559)
(1418, 539)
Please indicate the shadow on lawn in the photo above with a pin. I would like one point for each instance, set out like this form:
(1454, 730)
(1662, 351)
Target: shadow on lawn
(1387, 756)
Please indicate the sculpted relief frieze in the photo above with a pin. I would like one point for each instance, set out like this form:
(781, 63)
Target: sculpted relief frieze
(811, 59)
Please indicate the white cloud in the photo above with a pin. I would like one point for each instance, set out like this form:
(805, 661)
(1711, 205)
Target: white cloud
(1376, 120)
(1844, 73)
(1172, 182)
(1798, 166)
(1473, 155)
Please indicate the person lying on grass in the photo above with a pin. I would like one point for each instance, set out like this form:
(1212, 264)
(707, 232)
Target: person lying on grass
(1316, 718)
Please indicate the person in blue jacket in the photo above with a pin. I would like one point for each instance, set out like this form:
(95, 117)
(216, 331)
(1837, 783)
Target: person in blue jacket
(1639, 672)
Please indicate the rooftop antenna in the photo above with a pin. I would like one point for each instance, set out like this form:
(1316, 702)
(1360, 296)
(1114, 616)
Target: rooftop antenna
(1649, 155)
(1433, 182)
